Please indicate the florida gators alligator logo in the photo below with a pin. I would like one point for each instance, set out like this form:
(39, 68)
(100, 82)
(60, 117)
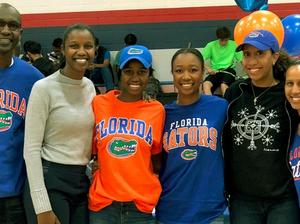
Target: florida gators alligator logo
(189, 154)
(5, 120)
(122, 148)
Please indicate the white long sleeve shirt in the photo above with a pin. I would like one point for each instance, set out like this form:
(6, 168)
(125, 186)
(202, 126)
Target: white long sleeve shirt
(58, 128)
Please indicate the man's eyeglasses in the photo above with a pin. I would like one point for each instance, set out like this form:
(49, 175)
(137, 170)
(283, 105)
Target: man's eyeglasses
(13, 26)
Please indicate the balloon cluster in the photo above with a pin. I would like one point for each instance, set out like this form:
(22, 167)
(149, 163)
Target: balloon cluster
(252, 5)
(259, 20)
(287, 31)
(291, 43)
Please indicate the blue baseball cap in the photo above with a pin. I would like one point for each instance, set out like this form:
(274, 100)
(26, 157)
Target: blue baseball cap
(261, 39)
(138, 52)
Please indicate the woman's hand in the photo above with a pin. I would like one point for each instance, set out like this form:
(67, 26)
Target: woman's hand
(95, 167)
(47, 218)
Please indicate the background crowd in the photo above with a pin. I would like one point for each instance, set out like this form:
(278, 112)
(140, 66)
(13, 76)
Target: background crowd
(181, 163)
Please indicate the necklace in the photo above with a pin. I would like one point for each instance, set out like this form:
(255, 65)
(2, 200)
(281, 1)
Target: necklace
(262, 93)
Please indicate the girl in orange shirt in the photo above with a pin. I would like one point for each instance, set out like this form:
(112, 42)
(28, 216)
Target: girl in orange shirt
(127, 139)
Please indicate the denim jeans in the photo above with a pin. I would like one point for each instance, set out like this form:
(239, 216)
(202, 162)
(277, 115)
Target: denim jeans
(220, 220)
(280, 211)
(106, 75)
(29, 210)
(12, 211)
(121, 213)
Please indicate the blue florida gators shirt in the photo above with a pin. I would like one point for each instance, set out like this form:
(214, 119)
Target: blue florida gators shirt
(295, 163)
(16, 82)
(192, 174)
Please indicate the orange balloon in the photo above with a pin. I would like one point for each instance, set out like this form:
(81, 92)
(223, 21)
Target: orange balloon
(239, 30)
(259, 20)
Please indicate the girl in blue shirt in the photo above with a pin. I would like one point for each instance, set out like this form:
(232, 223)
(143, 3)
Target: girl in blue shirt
(192, 174)
(292, 93)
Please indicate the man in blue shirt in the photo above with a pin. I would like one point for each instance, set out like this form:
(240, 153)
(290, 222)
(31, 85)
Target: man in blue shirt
(16, 80)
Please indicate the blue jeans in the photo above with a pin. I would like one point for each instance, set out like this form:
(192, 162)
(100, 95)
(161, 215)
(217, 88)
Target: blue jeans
(12, 211)
(121, 213)
(106, 75)
(219, 220)
(278, 211)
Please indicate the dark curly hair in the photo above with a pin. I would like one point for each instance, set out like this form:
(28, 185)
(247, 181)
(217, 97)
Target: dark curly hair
(282, 64)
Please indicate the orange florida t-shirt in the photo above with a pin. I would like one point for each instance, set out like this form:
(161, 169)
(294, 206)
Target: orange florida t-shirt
(126, 135)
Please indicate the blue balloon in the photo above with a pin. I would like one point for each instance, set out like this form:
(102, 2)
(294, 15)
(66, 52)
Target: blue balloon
(291, 25)
(252, 5)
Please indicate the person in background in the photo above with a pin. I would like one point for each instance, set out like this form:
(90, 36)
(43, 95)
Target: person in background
(129, 39)
(24, 55)
(257, 137)
(56, 55)
(192, 173)
(292, 93)
(221, 54)
(101, 67)
(58, 135)
(16, 80)
(153, 89)
(43, 64)
(127, 141)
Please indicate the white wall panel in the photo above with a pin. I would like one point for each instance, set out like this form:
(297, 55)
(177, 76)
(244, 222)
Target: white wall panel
(51, 6)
